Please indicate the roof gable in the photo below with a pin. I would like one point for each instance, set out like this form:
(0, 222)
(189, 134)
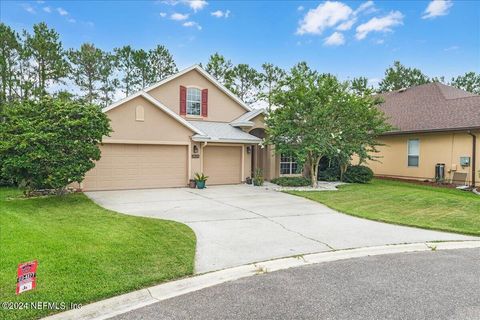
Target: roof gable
(208, 77)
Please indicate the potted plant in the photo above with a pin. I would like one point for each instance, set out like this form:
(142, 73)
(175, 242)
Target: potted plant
(192, 184)
(258, 178)
(200, 179)
(248, 180)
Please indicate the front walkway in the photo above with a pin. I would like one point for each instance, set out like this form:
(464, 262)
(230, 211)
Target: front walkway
(240, 224)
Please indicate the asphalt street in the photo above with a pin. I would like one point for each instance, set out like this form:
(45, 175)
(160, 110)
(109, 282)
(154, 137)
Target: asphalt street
(424, 285)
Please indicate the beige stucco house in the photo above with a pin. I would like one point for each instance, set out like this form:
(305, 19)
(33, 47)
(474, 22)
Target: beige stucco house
(434, 123)
(185, 124)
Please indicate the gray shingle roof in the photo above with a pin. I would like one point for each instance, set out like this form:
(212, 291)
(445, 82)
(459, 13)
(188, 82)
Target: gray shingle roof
(222, 131)
(431, 107)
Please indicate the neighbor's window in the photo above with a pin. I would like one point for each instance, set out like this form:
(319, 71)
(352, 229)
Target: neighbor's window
(288, 165)
(413, 152)
(193, 101)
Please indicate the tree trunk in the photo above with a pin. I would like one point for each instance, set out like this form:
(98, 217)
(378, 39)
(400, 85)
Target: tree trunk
(314, 170)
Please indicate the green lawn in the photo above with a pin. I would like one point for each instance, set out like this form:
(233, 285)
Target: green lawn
(85, 253)
(407, 204)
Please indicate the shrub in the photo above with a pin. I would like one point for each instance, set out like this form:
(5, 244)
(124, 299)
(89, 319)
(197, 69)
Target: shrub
(258, 178)
(291, 181)
(49, 143)
(329, 174)
(358, 174)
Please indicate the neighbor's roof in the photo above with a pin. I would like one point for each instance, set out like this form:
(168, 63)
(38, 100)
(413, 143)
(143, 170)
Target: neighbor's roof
(221, 132)
(431, 107)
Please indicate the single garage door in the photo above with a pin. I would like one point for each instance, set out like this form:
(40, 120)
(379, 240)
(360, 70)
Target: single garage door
(223, 165)
(134, 166)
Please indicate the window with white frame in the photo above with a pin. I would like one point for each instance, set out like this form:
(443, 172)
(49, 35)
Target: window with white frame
(194, 96)
(413, 152)
(288, 165)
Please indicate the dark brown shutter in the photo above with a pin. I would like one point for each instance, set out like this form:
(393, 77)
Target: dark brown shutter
(204, 102)
(183, 100)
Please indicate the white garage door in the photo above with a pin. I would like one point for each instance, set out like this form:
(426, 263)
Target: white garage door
(132, 166)
(222, 165)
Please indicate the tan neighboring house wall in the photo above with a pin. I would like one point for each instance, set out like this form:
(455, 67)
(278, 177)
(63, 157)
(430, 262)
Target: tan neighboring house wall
(225, 110)
(435, 147)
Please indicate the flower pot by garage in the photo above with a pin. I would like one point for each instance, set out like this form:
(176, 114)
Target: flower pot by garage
(192, 184)
(200, 184)
(248, 180)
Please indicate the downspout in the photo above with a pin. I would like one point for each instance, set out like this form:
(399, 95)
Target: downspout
(474, 158)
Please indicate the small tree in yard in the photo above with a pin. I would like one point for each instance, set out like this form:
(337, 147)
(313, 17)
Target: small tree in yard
(50, 143)
(317, 116)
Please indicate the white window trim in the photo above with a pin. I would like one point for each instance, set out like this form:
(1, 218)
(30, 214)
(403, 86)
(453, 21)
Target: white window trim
(291, 162)
(413, 155)
(200, 101)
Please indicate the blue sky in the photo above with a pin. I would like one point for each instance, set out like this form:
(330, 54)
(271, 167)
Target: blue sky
(349, 38)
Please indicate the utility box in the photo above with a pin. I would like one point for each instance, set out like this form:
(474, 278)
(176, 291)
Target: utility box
(465, 161)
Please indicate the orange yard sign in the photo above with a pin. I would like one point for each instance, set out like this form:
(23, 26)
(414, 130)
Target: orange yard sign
(26, 276)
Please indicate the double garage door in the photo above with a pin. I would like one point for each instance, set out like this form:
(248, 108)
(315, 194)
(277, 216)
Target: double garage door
(134, 166)
(131, 166)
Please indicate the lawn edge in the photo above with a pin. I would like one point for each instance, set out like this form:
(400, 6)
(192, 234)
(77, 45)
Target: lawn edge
(383, 220)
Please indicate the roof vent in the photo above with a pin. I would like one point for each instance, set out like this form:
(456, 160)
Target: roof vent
(402, 90)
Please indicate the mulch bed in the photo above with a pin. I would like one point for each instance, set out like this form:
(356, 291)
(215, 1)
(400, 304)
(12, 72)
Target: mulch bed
(421, 182)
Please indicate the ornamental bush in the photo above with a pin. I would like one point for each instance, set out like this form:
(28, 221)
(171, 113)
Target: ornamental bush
(358, 174)
(291, 181)
(329, 174)
(50, 143)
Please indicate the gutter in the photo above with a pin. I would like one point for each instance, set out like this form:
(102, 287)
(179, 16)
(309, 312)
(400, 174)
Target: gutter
(393, 133)
(474, 158)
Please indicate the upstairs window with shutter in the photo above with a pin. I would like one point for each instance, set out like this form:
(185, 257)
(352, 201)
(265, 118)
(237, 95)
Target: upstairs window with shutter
(194, 100)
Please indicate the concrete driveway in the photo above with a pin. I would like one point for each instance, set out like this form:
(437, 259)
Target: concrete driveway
(239, 224)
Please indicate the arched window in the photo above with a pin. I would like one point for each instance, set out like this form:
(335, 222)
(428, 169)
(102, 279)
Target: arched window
(193, 101)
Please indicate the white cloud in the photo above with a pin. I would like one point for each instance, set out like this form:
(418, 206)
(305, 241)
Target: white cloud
(380, 41)
(47, 9)
(163, 14)
(40, 1)
(62, 12)
(71, 20)
(347, 25)
(221, 14)
(300, 8)
(29, 8)
(196, 5)
(335, 39)
(437, 8)
(179, 16)
(192, 24)
(326, 15)
(366, 7)
(383, 24)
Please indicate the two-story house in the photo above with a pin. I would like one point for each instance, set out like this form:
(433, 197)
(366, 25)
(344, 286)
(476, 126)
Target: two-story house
(187, 123)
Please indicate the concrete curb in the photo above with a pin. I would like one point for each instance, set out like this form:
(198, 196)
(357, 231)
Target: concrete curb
(130, 301)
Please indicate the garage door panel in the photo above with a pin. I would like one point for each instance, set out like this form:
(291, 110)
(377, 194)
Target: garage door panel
(124, 166)
(222, 165)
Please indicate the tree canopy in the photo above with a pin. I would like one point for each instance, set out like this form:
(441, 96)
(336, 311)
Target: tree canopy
(318, 116)
(51, 142)
(398, 76)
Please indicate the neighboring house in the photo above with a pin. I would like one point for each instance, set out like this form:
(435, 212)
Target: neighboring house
(185, 124)
(435, 123)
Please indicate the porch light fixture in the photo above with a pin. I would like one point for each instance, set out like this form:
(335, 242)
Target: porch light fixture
(249, 149)
(195, 149)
